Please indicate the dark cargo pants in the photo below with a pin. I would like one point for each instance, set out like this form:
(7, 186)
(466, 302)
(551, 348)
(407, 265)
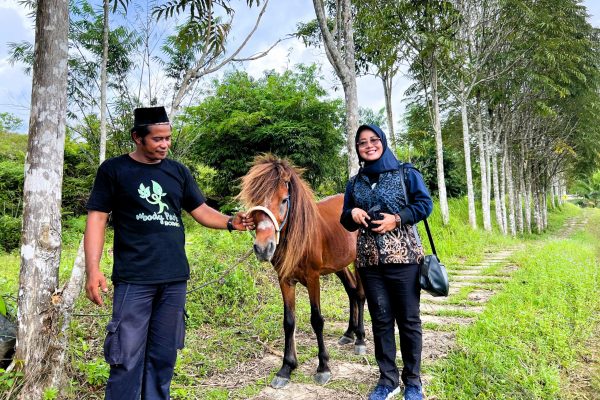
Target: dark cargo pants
(146, 329)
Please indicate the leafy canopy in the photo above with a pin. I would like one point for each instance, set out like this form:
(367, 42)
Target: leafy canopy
(284, 114)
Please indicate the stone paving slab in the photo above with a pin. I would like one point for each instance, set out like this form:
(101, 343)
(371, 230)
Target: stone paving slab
(431, 308)
(446, 320)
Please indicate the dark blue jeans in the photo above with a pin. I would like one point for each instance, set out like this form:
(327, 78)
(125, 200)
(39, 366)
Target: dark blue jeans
(393, 295)
(146, 329)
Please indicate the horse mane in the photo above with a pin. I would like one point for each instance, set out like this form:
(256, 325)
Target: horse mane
(299, 235)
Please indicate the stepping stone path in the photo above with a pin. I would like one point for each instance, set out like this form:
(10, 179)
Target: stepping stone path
(471, 287)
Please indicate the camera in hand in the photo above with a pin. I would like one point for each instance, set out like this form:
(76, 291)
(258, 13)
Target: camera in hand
(375, 215)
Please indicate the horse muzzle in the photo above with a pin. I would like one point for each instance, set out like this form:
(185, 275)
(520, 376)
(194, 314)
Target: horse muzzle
(265, 252)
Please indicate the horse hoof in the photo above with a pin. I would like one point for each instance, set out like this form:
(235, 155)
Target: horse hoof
(360, 349)
(278, 382)
(345, 340)
(322, 377)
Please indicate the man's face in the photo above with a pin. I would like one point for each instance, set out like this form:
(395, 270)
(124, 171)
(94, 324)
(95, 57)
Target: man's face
(155, 145)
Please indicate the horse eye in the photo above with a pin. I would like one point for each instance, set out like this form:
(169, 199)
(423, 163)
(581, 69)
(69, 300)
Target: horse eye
(282, 207)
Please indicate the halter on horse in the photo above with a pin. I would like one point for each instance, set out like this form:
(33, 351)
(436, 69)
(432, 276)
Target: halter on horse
(303, 240)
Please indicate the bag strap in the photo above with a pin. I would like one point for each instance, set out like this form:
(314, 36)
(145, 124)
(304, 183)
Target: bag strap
(402, 177)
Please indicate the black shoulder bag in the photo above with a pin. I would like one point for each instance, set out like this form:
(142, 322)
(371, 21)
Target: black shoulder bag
(433, 276)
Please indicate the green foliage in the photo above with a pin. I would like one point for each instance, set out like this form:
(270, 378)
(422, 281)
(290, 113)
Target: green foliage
(78, 178)
(95, 371)
(532, 330)
(589, 190)
(205, 176)
(50, 394)
(419, 137)
(9, 122)
(11, 187)
(13, 146)
(12, 153)
(232, 290)
(367, 116)
(10, 232)
(9, 379)
(280, 113)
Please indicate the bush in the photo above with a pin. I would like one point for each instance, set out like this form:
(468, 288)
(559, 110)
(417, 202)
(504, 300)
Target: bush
(10, 232)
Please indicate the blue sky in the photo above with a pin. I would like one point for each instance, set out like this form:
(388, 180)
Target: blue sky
(280, 19)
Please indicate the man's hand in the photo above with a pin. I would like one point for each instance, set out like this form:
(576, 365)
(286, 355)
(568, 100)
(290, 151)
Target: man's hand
(94, 281)
(242, 221)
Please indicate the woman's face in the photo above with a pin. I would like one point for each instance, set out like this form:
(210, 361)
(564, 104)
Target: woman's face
(369, 145)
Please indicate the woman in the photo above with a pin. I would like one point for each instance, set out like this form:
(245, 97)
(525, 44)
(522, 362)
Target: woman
(388, 255)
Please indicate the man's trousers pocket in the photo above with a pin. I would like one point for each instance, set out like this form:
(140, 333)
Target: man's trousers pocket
(112, 344)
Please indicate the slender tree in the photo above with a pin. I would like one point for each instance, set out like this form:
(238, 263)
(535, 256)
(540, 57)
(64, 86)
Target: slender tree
(340, 50)
(39, 304)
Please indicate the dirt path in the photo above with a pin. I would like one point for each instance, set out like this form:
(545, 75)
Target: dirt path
(352, 376)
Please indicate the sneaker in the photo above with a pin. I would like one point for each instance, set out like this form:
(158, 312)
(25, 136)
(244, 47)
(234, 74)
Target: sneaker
(383, 392)
(413, 392)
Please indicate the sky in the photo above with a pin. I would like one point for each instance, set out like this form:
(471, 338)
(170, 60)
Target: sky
(279, 20)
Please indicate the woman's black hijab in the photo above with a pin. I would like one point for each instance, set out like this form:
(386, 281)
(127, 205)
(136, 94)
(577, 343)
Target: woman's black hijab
(387, 161)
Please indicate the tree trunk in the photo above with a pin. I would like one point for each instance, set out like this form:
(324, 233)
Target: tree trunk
(103, 84)
(520, 190)
(511, 194)
(439, 147)
(387, 94)
(488, 160)
(503, 192)
(41, 235)
(528, 198)
(468, 169)
(70, 292)
(537, 209)
(343, 62)
(497, 195)
(544, 202)
(483, 168)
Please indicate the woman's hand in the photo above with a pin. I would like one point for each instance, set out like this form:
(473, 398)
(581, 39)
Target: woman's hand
(387, 224)
(360, 216)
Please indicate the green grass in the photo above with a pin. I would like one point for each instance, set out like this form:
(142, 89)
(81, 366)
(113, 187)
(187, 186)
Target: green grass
(532, 330)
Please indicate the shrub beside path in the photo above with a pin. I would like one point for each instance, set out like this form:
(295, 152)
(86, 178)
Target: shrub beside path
(353, 376)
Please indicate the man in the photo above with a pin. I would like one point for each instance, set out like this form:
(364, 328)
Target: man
(145, 192)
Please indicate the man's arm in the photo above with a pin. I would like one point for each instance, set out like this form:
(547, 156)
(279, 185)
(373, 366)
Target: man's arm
(93, 243)
(211, 218)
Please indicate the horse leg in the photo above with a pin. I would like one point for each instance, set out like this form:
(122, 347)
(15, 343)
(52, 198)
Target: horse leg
(290, 360)
(316, 320)
(360, 346)
(356, 299)
(348, 336)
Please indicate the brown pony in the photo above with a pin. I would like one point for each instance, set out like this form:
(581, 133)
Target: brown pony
(303, 240)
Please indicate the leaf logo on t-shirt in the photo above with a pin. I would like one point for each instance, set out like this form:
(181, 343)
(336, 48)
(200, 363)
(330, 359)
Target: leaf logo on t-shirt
(155, 195)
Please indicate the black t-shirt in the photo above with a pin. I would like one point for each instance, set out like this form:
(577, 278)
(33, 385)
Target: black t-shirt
(146, 202)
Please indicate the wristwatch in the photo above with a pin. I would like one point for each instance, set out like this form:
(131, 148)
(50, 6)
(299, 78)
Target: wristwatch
(230, 224)
(398, 220)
